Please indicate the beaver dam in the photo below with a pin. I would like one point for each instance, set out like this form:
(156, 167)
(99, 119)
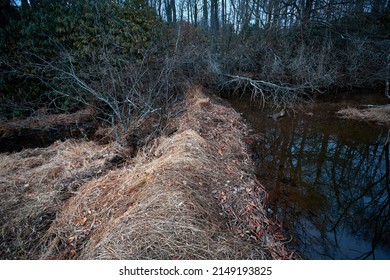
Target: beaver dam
(190, 193)
(114, 143)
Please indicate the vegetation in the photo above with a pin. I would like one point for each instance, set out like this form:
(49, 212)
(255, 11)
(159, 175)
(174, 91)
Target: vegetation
(130, 59)
(376, 114)
(190, 195)
(187, 189)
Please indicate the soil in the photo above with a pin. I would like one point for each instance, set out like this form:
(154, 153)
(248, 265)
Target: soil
(190, 193)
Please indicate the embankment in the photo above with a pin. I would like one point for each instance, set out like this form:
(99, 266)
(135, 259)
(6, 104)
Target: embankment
(191, 194)
(378, 115)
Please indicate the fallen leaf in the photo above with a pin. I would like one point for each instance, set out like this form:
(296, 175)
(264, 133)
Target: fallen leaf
(72, 252)
(70, 239)
(83, 221)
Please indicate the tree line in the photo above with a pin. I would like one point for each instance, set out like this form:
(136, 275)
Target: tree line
(132, 58)
(242, 14)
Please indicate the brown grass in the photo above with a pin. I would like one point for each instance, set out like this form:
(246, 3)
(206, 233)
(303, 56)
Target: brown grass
(33, 185)
(239, 194)
(190, 195)
(379, 115)
(159, 208)
(42, 120)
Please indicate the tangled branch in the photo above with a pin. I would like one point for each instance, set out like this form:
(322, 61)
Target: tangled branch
(266, 93)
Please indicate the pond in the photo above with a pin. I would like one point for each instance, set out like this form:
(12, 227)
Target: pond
(327, 179)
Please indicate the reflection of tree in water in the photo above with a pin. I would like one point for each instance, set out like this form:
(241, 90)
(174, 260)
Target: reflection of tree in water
(331, 185)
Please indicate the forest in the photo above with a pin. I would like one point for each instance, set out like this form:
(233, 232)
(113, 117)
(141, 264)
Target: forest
(130, 59)
(115, 142)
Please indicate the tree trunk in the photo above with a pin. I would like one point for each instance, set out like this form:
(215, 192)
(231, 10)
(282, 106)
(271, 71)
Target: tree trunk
(205, 14)
(173, 9)
(257, 14)
(223, 15)
(276, 14)
(159, 7)
(196, 13)
(269, 14)
(214, 22)
(168, 10)
(307, 13)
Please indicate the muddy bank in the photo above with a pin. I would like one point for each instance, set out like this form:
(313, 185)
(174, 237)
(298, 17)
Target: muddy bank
(43, 129)
(379, 115)
(190, 194)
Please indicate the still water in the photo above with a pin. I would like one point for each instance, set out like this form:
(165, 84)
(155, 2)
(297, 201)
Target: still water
(328, 180)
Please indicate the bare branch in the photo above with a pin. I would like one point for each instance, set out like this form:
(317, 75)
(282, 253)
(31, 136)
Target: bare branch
(271, 94)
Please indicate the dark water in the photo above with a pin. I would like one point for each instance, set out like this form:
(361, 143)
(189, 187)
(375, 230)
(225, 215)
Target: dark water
(30, 137)
(328, 180)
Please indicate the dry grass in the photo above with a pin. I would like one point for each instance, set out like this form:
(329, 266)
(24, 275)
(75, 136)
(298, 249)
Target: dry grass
(379, 115)
(33, 185)
(239, 194)
(42, 120)
(159, 208)
(190, 195)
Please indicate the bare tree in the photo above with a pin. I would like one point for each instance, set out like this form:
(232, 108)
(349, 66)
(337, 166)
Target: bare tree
(205, 20)
(214, 17)
(170, 11)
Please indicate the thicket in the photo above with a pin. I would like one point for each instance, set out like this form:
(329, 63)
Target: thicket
(132, 59)
(63, 54)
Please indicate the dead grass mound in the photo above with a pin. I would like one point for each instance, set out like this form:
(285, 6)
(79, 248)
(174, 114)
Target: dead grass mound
(159, 208)
(240, 195)
(191, 194)
(378, 115)
(33, 185)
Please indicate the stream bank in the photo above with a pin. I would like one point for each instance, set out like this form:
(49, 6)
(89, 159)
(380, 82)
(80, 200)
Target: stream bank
(42, 129)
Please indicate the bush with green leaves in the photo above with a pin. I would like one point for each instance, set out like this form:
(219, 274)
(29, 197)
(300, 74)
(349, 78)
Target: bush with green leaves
(84, 33)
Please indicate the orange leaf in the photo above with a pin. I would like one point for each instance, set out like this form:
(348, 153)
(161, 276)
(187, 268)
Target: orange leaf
(83, 221)
(72, 252)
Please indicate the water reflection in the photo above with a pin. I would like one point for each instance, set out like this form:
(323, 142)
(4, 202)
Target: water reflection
(328, 183)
